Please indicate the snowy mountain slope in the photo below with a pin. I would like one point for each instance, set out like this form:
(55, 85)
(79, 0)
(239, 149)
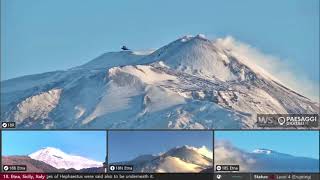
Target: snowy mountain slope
(58, 159)
(35, 166)
(112, 59)
(196, 55)
(38, 106)
(190, 83)
(262, 160)
(178, 159)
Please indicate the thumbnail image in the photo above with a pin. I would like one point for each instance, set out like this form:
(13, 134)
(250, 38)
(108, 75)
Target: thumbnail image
(268, 151)
(114, 66)
(54, 151)
(161, 151)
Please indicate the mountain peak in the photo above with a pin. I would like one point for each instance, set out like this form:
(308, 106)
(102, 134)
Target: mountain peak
(263, 151)
(178, 159)
(48, 151)
(189, 153)
(201, 36)
(199, 56)
(59, 159)
(182, 148)
(50, 148)
(190, 37)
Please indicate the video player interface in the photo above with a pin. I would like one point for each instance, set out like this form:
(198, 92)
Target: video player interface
(206, 89)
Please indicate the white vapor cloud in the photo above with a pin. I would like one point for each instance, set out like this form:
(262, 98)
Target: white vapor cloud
(261, 160)
(274, 67)
(225, 154)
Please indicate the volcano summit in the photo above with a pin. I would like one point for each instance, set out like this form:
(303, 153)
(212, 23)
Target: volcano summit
(191, 83)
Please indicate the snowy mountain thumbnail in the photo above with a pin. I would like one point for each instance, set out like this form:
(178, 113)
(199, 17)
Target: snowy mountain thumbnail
(262, 160)
(61, 160)
(179, 159)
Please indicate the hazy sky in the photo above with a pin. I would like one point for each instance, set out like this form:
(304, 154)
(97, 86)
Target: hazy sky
(45, 35)
(297, 143)
(89, 144)
(127, 145)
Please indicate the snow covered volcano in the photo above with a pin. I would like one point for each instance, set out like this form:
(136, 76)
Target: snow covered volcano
(61, 160)
(191, 83)
(262, 160)
(178, 159)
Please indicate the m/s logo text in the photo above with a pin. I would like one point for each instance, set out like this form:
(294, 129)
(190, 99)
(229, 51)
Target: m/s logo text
(288, 120)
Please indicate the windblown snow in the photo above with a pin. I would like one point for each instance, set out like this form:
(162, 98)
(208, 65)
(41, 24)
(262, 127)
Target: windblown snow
(191, 83)
(59, 159)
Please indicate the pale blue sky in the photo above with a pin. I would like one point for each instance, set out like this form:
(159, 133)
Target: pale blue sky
(297, 143)
(127, 145)
(89, 144)
(45, 35)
